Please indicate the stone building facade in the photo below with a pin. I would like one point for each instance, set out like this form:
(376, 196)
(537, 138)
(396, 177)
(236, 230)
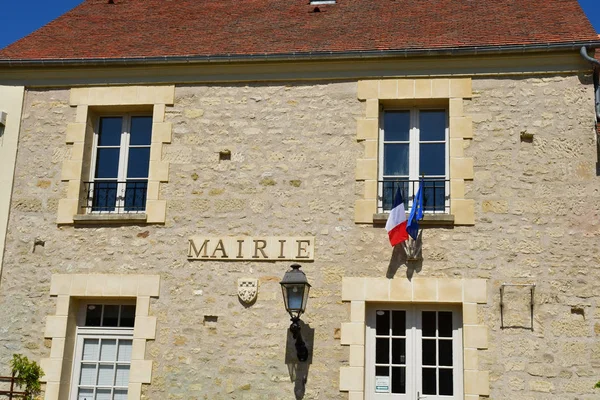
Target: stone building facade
(290, 151)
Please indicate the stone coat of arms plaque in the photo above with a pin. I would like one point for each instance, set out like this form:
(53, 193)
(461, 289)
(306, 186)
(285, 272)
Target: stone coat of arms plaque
(247, 289)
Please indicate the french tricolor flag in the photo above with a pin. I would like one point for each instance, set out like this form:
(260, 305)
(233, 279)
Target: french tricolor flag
(396, 223)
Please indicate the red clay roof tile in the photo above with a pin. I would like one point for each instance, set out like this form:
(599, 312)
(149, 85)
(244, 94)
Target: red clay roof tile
(153, 28)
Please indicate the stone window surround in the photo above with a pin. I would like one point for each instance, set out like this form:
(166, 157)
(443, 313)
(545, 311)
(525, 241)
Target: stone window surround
(376, 93)
(116, 97)
(468, 292)
(60, 327)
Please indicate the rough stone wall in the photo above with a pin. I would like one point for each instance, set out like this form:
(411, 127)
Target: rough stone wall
(293, 154)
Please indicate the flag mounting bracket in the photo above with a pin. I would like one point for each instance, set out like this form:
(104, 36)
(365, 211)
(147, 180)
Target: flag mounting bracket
(413, 248)
(531, 292)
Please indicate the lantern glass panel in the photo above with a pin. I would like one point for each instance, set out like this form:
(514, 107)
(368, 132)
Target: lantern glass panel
(295, 297)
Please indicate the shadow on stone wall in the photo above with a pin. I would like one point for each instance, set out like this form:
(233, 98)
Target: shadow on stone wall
(400, 258)
(299, 370)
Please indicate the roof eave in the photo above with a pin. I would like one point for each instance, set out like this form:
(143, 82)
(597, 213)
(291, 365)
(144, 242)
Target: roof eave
(315, 56)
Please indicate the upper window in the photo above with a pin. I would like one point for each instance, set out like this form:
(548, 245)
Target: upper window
(413, 353)
(121, 159)
(414, 146)
(103, 353)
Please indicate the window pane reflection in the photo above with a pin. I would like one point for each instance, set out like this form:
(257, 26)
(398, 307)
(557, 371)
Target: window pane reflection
(399, 323)
(395, 159)
(109, 133)
(429, 323)
(445, 323)
(446, 382)
(382, 322)
(398, 351)
(428, 352)
(429, 381)
(445, 352)
(382, 350)
(432, 125)
(399, 380)
(396, 125)
(432, 159)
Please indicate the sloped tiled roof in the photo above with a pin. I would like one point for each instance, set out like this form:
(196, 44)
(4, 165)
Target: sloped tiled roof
(155, 28)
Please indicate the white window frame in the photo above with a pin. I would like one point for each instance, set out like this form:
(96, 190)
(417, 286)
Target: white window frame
(413, 153)
(124, 147)
(96, 332)
(413, 352)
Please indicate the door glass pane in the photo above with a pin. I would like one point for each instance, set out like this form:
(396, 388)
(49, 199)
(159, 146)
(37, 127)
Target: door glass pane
(127, 315)
(90, 350)
(93, 313)
(432, 159)
(398, 351)
(120, 394)
(107, 163)
(88, 375)
(399, 380)
(382, 322)
(382, 371)
(428, 352)
(85, 394)
(139, 160)
(445, 323)
(432, 125)
(109, 133)
(103, 394)
(141, 131)
(382, 350)
(429, 381)
(111, 315)
(445, 352)
(428, 323)
(396, 125)
(382, 379)
(395, 159)
(124, 350)
(108, 350)
(122, 378)
(446, 382)
(106, 375)
(399, 323)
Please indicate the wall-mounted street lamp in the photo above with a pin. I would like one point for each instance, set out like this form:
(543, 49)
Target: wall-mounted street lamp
(295, 287)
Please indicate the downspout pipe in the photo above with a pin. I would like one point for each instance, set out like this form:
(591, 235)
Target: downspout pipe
(596, 65)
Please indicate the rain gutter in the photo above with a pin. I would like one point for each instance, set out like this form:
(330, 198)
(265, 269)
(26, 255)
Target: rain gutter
(596, 64)
(304, 56)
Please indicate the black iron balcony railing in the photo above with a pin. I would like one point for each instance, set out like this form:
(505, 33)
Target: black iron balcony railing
(115, 197)
(436, 194)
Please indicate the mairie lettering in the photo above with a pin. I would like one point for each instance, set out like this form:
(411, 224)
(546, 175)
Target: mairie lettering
(251, 248)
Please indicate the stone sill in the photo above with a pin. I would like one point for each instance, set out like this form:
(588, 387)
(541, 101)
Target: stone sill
(101, 219)
(428, 219)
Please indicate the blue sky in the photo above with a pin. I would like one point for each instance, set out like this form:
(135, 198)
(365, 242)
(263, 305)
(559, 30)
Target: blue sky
(21, 17)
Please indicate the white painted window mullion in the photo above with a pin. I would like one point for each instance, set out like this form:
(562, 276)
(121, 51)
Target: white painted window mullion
(123, 155)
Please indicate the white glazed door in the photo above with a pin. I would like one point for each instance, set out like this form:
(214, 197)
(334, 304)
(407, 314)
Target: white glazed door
(413, 353)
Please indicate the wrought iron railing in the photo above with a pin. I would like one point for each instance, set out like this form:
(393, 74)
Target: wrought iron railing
(436, 194)
(115, 197)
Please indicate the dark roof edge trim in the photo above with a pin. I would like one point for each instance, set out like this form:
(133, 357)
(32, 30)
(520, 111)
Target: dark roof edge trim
(304, 56)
